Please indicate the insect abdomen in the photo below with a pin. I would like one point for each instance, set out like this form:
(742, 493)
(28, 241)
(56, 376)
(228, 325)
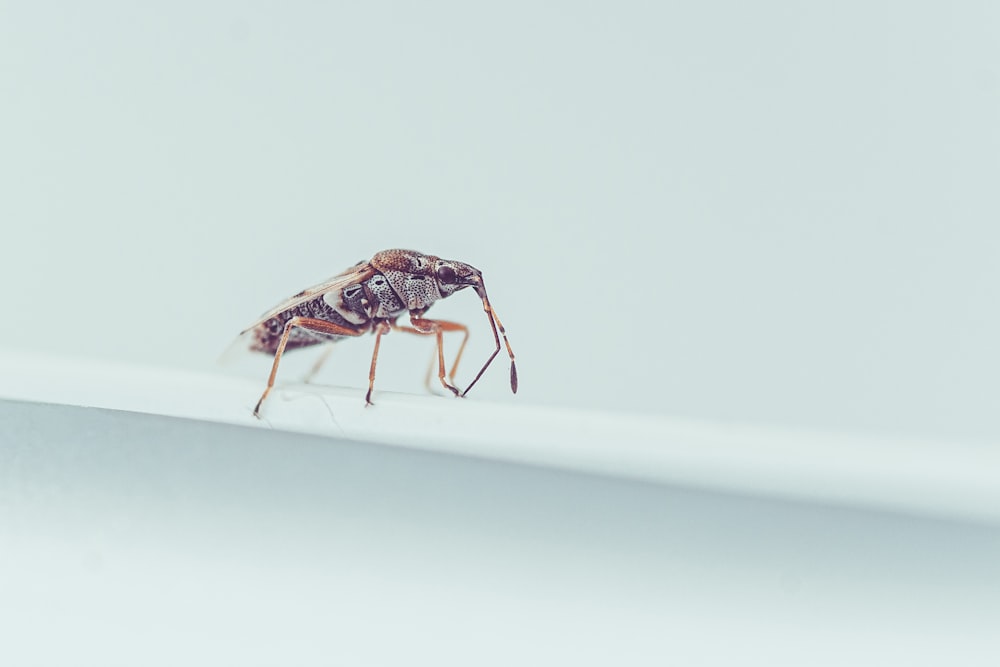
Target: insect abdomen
(267, 335)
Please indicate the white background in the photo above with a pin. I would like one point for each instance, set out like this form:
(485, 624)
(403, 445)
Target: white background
(773, 211)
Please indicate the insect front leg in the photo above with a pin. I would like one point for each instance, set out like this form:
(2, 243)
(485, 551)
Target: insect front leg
(426, 327)
(436, 356)
(455, 326)
(310, 324)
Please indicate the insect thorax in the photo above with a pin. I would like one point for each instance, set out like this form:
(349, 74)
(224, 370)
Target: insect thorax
(392, 292)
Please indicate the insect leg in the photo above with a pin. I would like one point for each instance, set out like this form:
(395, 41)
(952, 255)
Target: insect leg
(427, 327)
(434, 357)
(455, 326)
(381, 328)
(327, 349)
(311, 324)
(430, 365)
(429, 373)
(427, 330)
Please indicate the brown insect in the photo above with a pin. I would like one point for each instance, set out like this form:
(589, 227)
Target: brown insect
(371, 296)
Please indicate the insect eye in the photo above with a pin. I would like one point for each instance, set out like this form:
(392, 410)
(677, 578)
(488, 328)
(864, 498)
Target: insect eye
(446, 274)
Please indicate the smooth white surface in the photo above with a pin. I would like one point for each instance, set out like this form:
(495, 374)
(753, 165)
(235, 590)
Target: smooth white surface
(130, 538)
(924, 477)
(779, 212)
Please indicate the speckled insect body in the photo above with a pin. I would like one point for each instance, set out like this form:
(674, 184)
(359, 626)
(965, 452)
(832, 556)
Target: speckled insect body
(371, 296)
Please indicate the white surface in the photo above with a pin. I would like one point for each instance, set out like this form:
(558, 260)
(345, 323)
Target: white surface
(934, 478)
(128, 539)
(779, 211)
(220, 539)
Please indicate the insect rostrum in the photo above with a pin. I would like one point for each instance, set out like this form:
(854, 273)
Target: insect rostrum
(371, 296)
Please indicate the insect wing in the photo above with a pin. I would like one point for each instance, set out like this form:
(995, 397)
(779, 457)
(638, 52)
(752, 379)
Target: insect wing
(354, 275)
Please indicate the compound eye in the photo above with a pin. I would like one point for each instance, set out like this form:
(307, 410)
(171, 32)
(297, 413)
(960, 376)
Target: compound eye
(446, 275)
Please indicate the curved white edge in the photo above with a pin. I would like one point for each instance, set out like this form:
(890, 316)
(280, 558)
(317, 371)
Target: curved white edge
(942, 479)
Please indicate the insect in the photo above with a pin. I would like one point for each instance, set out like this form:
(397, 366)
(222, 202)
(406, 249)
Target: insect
(371, 296)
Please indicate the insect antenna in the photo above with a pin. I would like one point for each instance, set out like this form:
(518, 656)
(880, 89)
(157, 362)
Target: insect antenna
(498, 331)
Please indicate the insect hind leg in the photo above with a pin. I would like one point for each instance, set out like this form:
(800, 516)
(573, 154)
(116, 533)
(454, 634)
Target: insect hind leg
(318, 364)
(310, 324)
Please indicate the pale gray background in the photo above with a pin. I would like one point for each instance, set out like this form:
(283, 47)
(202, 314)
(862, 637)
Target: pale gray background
(770, 211)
